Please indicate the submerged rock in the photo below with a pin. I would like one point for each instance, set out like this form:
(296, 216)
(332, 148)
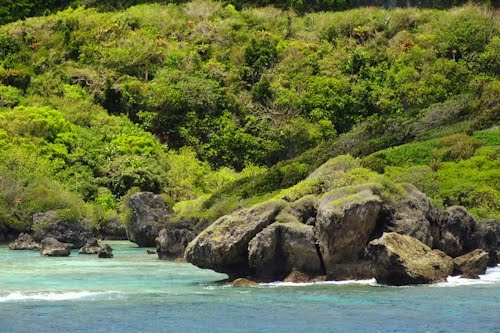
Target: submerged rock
(403, 260)
(105, 252)
(149, 213)
(91, 247)
(174, 238)
(223, 246)
(282, 248)
(24, 242)
(472, 264)
(53, 248)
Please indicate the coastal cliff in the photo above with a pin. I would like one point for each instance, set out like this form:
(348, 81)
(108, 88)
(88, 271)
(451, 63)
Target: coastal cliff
(271, 142)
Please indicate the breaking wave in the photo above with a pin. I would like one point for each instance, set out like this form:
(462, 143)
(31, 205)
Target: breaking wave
(52, 296)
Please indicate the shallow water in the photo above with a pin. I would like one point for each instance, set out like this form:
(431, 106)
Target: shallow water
(136, 292)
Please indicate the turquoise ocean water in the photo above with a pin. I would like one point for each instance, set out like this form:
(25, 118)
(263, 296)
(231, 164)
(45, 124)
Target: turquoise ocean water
(136, 292)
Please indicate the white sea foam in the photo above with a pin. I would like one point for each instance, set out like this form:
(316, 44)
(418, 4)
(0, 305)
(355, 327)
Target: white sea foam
(51, 296)
(370, 282)
(491, 276)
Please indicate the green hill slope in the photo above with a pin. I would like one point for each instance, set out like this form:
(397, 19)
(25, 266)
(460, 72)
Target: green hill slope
(218, 108)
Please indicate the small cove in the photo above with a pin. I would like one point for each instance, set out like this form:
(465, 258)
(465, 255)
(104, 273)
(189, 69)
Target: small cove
(137, 292)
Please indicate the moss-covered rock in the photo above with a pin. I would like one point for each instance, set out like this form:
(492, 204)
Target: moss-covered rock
(51, 247)
(413, 214)
(91, 247)
(322, 226)
(344, 225)
(282, 248)
(24, 242)
(223, 246)
(303, 211)
(242, 282)
(472, 264)
(403, 260)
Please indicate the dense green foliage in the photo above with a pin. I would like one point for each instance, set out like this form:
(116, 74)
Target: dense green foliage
(452, 170)
(218, 108)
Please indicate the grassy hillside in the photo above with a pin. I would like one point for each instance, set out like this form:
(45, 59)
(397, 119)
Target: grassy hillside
(217, 108)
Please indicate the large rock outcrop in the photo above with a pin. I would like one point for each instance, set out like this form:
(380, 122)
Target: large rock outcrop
(472, 264)
(174, 238)
(24, 242)
(318, 233)
(403, 260)
(47, 225)
(344, 225)
(149, 214)
(412, 215)
(456, 232)
(453, 231)
(223, 246)
(487, 236)
(51, 247)
(282, 248)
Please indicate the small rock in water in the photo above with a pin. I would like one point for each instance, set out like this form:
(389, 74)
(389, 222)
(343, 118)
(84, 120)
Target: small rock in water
(242, 282)
(472, 264)
(106, 252)
(297, 277)
(24, 242)
(91, 247)
(150, 252)
(53, 248)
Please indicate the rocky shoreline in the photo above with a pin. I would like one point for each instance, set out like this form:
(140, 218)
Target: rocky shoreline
(375, 229)
(345, 234)
(398, 242)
